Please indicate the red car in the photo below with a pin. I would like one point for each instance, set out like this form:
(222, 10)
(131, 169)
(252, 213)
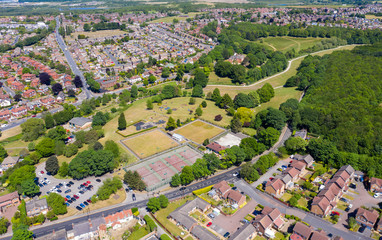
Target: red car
(88, 182)
(209, 224)
(335, 213)
(271, 178)
(42, 172)
(89, 201)
(66, 199)
(76, 197)
(85, 184)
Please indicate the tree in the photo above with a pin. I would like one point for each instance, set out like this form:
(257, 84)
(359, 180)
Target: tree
(49, 121)
(163, 201)
(56, 88)
(200, 168)
(226, 101)
(199, 111)
(152, 78)
(45, 147)
(3, 152)
(307, 185)
(111, 146)
(255, 98)
(134, 180)
(236, 125)
(4, 223)
(218, 118)
(45, 78)
(186, 176)
(206, 142)
(216, 97)
(249, 173)
(171, 124)
(18, 176)
(17, 97)
(134, 91)
(266, 92)
(122, 122)
(175, 180)
(197, 91)
(149, 104)
(58, 133)
(150, 224)
(192, 101)
(51, 165)
(57, 203)
(352, 223)
(64, 169)
(32, 129)
(200, 78)
(22, 233)
(293, 201)
(243, 100)
(268, 136)
(29, 188)
(204, 104)
(153, 204)
(77, 82)
(165, 72)
(323, 150)
(170, 91)
(70, 150)
(87, 27)
(295, 144)
(244, 114)
(109, 186)
(213, 162)
(98, 146)
(99, 119)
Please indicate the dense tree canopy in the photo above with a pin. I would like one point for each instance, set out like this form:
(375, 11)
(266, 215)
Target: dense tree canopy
(32, 129)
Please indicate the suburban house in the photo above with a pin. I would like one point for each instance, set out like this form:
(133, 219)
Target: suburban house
(36, 207)
(327, 198)
(5, 114)
(222, 190)
(301, 232)
(215, 147)
(8, 200)
(201, 233)
(79, 123)
(375, 184)
(379, 226)
(181, 215)
(319, 235)
(19, 111)
(86, 230)
(246, 232)
(301, 133)
(55, 235)
(366, 218)
(268, 219)
(275, 187)
(9, 162)
(116, 220)
(307, 159)
(29, 93)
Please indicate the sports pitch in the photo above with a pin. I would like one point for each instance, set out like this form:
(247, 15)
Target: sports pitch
(198, 131)
(150, 143)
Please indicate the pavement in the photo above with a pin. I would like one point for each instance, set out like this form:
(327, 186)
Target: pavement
(315, 221)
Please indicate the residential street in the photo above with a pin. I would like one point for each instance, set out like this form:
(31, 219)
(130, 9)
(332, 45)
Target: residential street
(315, 221)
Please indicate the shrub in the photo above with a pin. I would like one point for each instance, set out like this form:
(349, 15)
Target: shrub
(218, 118)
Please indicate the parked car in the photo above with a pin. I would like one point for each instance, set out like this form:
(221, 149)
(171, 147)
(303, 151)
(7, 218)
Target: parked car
(127, 189)
(78, 208)
(40, 185)
(73, 199)
(82, 205)
(211, 215)
(70, 182)
(59, 191)
(133, 196)
(335, 213)
(377, 195)
(344, 200)
(226, 235)
(209, 224)
(352, 185)
(234, 188)
(235, 174)
(68, 185)
(76, 197)
(98, 180)
(68, 196)
(89, 200)
(68, 191)
(42, 172)
(67, 204)
(86, 203)
(82, 192)
(70, 201)
(88, 182)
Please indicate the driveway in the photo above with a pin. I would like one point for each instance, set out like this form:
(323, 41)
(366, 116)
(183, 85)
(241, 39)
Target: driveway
(232, 223)
(270, 172)
(73, 189)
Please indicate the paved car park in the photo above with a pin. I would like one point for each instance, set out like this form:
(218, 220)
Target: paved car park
(69, 187)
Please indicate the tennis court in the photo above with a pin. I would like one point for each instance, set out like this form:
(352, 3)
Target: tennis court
(158, 171)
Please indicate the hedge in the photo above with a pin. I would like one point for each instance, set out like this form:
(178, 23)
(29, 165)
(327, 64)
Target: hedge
(202, 190)
(132, 134)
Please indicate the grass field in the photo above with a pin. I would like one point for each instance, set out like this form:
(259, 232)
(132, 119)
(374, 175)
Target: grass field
(373, 17)
(198, 131)
(97, 34)
(147, 144)
(285, 44)
(9, 133)
(214, 79)
(170, 19)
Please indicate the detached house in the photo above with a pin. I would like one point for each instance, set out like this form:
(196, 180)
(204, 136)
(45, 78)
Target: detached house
(366, 218)
(301, 232)
(268, 219)
(5, 114)
(275, 187)
(19, 111)
(375, 184)
(319, 235)
(8, 200)
(36, 207)
(29, 93)
(307, 159)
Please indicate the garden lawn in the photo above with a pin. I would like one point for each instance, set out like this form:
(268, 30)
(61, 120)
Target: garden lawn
(140, 233)
(198, 131)
(286, 197)
(285, 44)
(302, 202)
(162, 215)
(214, 79)
(152, 142)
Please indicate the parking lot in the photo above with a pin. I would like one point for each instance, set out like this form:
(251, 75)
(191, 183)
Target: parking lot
(49, 183)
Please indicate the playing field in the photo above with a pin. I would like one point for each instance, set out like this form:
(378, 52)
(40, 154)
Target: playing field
(147, 144)
(285, 44)
(198, 131)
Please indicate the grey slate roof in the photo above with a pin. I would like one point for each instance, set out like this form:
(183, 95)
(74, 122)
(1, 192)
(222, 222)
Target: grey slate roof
(40, 203)
(80, 121)
(244, 232)
(181, 214)
(349, 169)
(10, 160)
(57, 235)
(84, 227)
(203, 234)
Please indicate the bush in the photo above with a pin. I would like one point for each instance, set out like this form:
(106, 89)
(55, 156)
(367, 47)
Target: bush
(150, 224)
(110, 186)
(218, 118)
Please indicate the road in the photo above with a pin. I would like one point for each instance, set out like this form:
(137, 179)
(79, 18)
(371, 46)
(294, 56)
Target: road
(70, 60)
(313, 220)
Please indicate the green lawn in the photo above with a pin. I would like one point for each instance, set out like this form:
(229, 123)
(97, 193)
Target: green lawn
(281, 95)
(216, 80)
(285, 44)
(162, 214)
(141, 232)
(286, 197)
(302, 202)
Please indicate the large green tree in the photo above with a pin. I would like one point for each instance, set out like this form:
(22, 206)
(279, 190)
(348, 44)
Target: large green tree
(266, 93)
(51, 165)
(122, 122)
(29, 188)
(268, 136)
(46, 147)
(57, 203)
(32, 129)
(186, 176)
